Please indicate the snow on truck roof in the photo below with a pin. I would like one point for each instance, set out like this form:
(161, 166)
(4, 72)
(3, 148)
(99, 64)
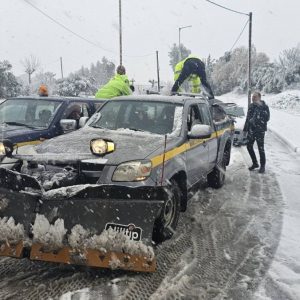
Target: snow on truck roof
(160, 98)
(55, 98)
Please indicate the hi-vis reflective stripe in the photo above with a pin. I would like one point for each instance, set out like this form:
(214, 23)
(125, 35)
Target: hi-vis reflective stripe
(28, 143)
(158, 160)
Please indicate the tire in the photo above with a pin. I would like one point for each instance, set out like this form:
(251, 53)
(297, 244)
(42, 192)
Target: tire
(165, 225)
(216, 177)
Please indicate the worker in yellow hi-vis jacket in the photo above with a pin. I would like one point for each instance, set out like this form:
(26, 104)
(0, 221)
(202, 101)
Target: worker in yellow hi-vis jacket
(192, 69)
(117, 86)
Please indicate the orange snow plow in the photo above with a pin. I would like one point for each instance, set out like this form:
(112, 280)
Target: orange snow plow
(105, 226)
(95, 258)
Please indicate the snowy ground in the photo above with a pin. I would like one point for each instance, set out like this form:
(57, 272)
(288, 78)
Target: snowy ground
(238, 242)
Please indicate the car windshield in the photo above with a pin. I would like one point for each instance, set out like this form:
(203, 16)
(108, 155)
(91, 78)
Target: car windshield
(33, 113)
(155, 117)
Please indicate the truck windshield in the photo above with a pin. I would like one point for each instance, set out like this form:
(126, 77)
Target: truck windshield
(155, 117)
(33, 113)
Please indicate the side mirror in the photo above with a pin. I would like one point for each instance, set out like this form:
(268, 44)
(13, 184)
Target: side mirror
(83, 121)
(68, 125)
(200, 131)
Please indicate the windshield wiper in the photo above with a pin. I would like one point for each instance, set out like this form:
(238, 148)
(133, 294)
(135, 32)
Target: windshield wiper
(19, 124)
(95, 126)
(135, 129)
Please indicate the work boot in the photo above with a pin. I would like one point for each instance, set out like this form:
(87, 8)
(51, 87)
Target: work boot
(254, 166)
(261, 169)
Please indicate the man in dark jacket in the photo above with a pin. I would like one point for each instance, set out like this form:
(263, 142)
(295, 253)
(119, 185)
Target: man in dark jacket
(256, 125)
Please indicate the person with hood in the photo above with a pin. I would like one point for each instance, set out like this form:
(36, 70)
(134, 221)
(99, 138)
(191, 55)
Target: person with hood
(255, 126)
(192, 69)
(43, 91)
(117, 86)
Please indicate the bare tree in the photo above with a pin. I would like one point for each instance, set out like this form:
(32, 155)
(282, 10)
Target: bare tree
(31, 64)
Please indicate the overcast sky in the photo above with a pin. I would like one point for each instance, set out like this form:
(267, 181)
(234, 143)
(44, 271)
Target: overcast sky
(148, 25)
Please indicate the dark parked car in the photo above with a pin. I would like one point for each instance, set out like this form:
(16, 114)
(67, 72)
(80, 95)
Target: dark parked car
(31, 120)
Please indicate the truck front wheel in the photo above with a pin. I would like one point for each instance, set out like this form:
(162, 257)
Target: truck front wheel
(216, 177)
(165, 225)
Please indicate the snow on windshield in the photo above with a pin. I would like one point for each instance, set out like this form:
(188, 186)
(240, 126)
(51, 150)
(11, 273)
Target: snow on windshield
(148, 116)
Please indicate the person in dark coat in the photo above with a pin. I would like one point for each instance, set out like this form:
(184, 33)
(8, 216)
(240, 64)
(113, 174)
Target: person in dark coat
(256, 125)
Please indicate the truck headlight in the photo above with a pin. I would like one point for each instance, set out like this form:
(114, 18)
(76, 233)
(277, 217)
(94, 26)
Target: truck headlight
(2, 150)
(100, 147)
(6, 148)
(132, 171)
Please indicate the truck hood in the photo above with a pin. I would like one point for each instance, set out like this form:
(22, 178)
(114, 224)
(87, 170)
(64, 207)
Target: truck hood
(129, 145)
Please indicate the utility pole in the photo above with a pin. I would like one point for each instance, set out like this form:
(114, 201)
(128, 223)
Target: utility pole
(120, 30)
(249, 59)
(157, 67)
(61, 68)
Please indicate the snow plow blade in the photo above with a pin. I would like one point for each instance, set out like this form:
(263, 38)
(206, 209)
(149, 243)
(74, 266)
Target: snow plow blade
(105, 226)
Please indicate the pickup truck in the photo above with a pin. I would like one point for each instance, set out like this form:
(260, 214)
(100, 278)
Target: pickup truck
(136, 145)
(32, 120)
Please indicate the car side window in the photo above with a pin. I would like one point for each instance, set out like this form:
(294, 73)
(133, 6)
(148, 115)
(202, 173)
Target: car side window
(205, 114)
(76, 110)
(218, 113)
(193, 117)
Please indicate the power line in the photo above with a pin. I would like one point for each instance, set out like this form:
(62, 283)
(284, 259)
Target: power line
(66, 28)
(232, 10)
(239, 36)
(78, 35)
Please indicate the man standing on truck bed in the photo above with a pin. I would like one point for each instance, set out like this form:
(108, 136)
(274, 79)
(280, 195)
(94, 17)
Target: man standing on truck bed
(193, 69)
(256, 125)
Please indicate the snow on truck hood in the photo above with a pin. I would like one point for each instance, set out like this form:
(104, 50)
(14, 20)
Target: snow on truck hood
(129, 145)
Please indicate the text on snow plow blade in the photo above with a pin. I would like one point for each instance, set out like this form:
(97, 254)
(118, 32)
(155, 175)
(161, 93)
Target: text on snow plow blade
(110, 226)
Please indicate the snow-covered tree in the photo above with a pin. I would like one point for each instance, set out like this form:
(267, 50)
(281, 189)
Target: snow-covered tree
(46, 78)
(289, 66)
(101, 72)
(31, 64)
(174, 54)
(9, 85)
(231, 70)
(75, 85)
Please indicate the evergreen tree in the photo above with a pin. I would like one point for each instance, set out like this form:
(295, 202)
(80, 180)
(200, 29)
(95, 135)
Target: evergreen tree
(174, 54)
(9, 86)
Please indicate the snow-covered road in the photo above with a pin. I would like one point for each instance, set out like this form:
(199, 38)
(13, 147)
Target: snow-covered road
(228, 242)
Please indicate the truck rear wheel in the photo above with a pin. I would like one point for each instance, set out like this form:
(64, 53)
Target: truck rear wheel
(165, 225)
(216, 177)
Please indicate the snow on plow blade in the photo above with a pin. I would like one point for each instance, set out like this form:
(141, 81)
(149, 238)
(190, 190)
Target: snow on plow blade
(95, 225)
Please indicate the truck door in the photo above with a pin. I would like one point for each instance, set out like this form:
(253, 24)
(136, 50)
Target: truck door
(213, 141)
(197, 150)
